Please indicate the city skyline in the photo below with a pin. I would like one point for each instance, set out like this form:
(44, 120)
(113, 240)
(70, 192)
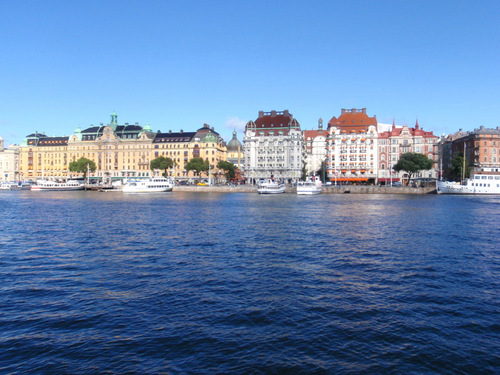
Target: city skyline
(180, 65)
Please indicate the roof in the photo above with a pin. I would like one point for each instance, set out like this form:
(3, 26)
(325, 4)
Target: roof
(174, 137)
(353, 120)
(414, 132)
(274, 119)
(234, 144)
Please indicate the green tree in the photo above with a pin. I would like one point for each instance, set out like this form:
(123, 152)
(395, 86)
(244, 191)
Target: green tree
(412, 163)
(229, 169)
(198, 165)
(81, 166)
(162, 163)
(457, 168)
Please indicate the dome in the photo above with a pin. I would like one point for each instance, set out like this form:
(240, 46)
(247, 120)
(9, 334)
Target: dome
(234, 144)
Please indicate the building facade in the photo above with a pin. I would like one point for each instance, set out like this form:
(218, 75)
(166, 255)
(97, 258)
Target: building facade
(9, 162)
(119, 151)
(315, 148)
(399, 140)
(481, 148)
(351, 147)
(273, 146)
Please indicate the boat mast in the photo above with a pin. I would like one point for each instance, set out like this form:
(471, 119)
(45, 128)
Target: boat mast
(463, 167)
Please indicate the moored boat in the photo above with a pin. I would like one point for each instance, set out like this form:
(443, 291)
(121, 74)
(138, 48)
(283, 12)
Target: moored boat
(486, 181)
(271, 187)
(150, 185)
(46, 185)
(312, 186)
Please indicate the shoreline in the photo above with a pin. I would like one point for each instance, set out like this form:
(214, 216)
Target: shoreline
(340, 189)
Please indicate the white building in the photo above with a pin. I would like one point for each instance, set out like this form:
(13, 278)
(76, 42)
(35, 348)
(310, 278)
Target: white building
(273, 146)
(9, 162)
(315, 146)
(352, 146)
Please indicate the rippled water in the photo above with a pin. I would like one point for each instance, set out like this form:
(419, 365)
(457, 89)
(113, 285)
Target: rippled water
(246, 284)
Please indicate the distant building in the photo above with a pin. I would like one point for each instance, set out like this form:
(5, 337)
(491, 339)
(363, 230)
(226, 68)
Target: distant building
(9, 162)
(315, 147)
(481, 148)
(235, 152)
(352, 144)
(273, 146)
(400, 140)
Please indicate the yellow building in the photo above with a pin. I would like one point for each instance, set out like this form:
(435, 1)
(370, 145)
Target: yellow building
(119, 151)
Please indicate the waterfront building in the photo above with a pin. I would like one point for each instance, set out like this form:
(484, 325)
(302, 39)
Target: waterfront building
(481, 148)
(315, 148)
(182, 146)
(402, 139)
(9, 162)
(351, 147)
(119, 151)
(273, 146)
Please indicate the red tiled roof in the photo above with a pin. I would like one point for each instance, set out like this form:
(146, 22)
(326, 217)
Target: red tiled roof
(353, 119)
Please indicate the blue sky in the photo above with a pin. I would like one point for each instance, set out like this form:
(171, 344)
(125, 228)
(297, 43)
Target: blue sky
(180, 64)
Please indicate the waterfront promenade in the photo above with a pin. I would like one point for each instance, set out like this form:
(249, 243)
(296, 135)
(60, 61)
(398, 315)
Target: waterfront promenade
(340, 189)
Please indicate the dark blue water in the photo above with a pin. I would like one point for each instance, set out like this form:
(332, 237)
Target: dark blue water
(245, 284)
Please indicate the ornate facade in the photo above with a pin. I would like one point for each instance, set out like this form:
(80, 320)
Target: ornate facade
(315, 146)
(273, 146)
(119, 151)
(399, 140)
(351, 147)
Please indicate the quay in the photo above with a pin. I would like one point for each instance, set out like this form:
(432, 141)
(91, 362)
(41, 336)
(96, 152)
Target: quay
(339, 189)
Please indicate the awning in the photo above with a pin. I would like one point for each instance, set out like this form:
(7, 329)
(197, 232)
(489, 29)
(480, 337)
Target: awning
(350, 179)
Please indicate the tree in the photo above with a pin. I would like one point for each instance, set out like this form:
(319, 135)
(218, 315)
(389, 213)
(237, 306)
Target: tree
(412, 162)
(81, 166)
(457, 168)
(229, 169)
(198, 165)
(162, 163)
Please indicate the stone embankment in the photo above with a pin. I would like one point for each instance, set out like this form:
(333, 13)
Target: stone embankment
(342, 189)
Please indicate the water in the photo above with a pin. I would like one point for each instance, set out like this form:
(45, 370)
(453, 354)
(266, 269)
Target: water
(186, 283)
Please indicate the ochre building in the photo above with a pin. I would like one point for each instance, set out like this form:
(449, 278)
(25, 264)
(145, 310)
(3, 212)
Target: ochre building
(119, 151)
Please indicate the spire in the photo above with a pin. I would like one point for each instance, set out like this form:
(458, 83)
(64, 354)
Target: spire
(416, 124)
(320, 124)
(393, 123)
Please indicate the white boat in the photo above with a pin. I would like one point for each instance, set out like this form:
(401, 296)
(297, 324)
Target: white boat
(310, 187)
(483, 182)
(150, 185)
(46, 185)
(271, 187)
(4, 185)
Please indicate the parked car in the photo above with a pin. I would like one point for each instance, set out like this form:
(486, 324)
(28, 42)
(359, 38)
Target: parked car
(397, 184)
(202, 183)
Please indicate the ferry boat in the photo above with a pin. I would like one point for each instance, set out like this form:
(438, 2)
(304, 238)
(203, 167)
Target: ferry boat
(46, 185)
(486, 181)
(271, 187)
(312, 186)
(150, 185)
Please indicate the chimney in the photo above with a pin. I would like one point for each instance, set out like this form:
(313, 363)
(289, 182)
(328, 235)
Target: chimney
(273, 113)
(182, 131)
(286, 112)
(261, 114)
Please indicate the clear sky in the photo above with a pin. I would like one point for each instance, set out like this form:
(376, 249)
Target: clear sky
(180, 64)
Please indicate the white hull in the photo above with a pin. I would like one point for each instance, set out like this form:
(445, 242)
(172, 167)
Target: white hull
(57, 186)
(152, 185)
(480, 184)
(271, 187)
(308, 188)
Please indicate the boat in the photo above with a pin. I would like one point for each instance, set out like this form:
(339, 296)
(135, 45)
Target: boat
(4, 185)
(271, 187)
(486, 181)
(150, 185)
(312, 186)
(46, 185)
